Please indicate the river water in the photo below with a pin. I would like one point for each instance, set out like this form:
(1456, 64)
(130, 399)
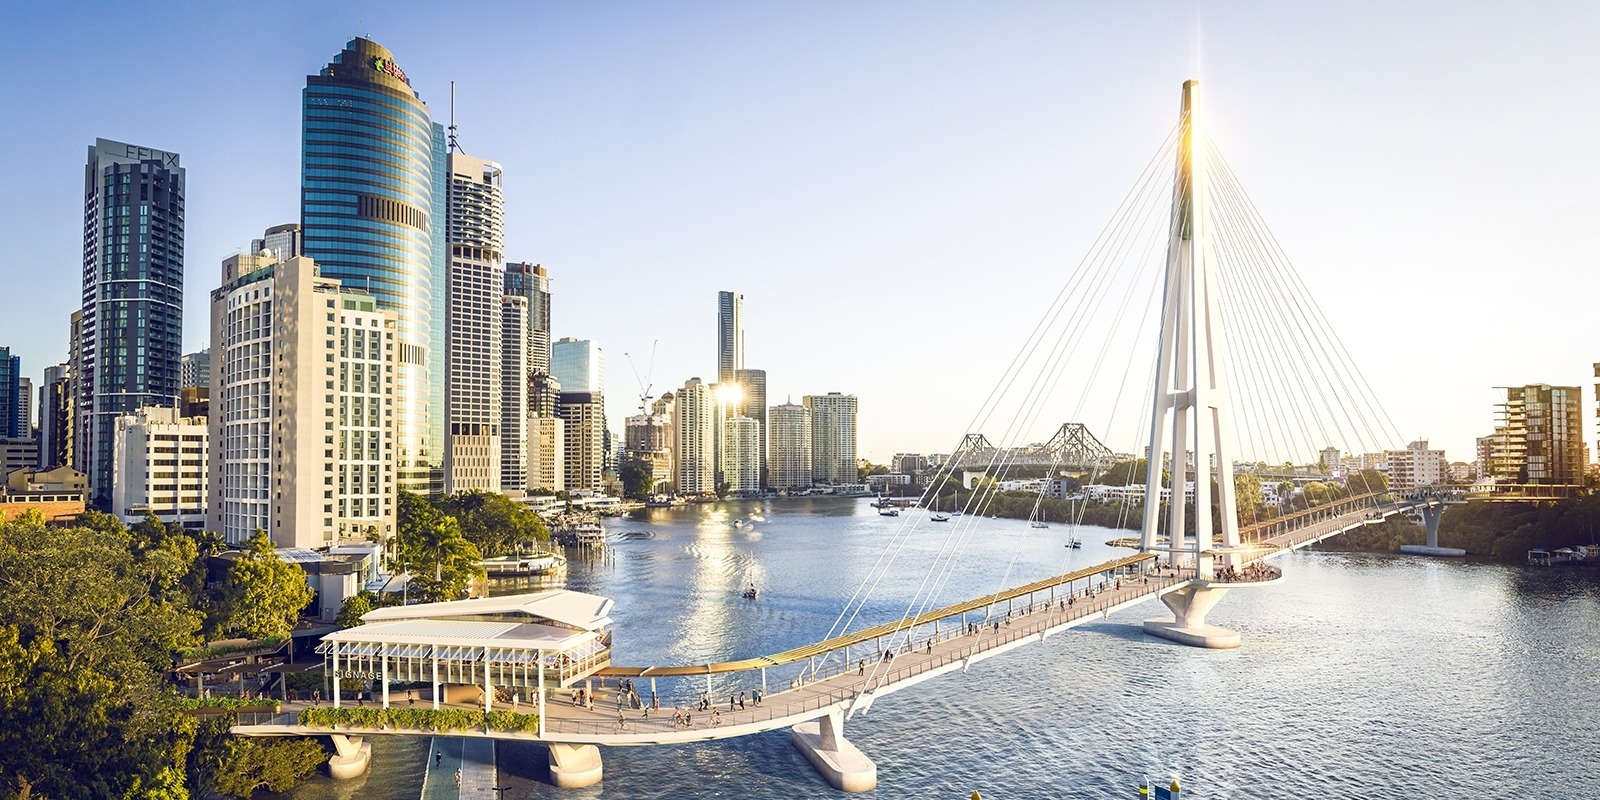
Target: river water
(1361, 676)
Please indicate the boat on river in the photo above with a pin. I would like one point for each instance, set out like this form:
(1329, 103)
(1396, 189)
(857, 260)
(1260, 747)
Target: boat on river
(937, 517)
(522, 565)
(889, 512)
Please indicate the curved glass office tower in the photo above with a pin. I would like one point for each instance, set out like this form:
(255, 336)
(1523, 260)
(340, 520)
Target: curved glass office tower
(372, 167)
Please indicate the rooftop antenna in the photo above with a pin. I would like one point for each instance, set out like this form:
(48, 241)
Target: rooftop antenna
(454, 145)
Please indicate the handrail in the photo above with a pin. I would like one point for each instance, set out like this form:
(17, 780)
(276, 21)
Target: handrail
(868, 634)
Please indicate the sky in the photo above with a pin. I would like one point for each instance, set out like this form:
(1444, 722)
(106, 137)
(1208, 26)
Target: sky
(896, 188)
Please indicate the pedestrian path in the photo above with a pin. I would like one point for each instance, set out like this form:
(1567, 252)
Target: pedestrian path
(475, 759)
(444, 758)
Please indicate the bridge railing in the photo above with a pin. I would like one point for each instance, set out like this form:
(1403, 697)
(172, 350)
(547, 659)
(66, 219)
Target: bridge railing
(821, 688)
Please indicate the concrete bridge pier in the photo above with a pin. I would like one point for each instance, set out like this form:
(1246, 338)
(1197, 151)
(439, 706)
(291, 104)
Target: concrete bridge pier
(843, 766)
(351, 757)
(573, 766)
(1189, 605)
(1430, 519)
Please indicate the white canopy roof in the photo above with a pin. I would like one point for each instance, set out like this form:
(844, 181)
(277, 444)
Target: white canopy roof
(463, 633)
(587, 612)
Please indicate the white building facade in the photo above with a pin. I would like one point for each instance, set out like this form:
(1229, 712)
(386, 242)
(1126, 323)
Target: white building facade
(302, 418)
(833, 438)
(160, 467)
(694, 415)
(789, 447)
(473, 332)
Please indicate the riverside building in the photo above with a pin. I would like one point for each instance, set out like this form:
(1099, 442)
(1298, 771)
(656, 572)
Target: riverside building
(1539, 438)
(161, 467)
(741, 455)
(789, 457)
(473, 342)
(372, 216)
(302, 426)
(833, 437)
(695, 429)
(130, 333)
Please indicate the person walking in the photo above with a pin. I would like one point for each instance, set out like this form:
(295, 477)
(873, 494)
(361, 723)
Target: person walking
(862, 669)
(438, 756)
(741, 702)
(458, 777)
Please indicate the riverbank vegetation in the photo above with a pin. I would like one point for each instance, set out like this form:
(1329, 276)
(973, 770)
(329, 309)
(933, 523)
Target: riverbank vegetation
(91, 617)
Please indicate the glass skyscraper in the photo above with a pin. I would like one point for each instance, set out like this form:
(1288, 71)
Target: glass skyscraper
(372, 207)
(132, 317)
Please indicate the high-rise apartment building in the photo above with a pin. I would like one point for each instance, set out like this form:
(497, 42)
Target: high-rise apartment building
(476, 224)
(514, 375)
(285, 241)
(753, 404)
(303, 413)
(161, 467)
(25, 407)
(833, 438)
(547, 435)
(55, 412)
(789, 447)
(194, 369)
(584, 433)
(10, 388)
(132, 315)
(741, 455)
(1416, 466)
(730, 335)
(533, 282)
(1540, 436)
(372, 215)
(695, 434)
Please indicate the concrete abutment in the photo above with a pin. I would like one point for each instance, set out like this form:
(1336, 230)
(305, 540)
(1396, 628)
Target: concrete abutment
(351, 757)
(573, 766)
(838, 761)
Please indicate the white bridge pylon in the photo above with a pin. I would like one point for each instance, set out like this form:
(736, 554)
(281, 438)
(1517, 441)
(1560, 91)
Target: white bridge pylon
(1190, 408)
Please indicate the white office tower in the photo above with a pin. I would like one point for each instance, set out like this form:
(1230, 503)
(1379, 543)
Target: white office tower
(473, 357)
(833, 438)
(514, 374)
(789, 447)
(741, 455)
(695, 431)
(160, 467)
(302, 407)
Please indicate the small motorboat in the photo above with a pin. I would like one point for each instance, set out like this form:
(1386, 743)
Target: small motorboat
(751, 592)
(940, 517)
(888, 512)
(1075, 543)
(1038, 524)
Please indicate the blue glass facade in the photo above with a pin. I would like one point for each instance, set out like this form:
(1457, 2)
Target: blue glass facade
(10, 372)
(372, 165)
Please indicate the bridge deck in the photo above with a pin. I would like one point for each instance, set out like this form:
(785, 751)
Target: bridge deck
(838, 685)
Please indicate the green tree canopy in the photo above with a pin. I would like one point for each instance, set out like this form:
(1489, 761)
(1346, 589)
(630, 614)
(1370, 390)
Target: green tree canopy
(86, 622)
(429, 545)
(494, 523)
(265, 594)
(636, 477)
(354, 607)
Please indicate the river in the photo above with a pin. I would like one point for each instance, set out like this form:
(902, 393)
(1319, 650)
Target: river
(1361, 676)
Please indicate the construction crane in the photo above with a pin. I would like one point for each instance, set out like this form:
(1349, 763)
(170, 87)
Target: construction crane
(644, 383)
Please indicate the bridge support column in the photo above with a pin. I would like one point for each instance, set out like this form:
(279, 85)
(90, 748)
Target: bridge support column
(1430, 518)
(1189, 605)
(574, 766)
(838, 761)
(351, 757)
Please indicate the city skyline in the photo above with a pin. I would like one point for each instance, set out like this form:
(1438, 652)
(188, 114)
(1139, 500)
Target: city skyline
(854, 206)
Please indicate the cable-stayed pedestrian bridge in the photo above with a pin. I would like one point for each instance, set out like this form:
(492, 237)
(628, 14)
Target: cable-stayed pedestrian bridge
(1246, 369)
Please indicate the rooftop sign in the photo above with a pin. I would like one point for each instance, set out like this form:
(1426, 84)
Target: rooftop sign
(388, 67)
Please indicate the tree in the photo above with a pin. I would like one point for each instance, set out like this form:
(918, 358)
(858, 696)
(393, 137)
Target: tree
(494, 523)
(249, 764)
(88, 622)
(635, 474)
(355, 606)
(265, 594)
(430, 547)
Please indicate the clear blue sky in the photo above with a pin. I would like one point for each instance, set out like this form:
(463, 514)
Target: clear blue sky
(895, 187)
